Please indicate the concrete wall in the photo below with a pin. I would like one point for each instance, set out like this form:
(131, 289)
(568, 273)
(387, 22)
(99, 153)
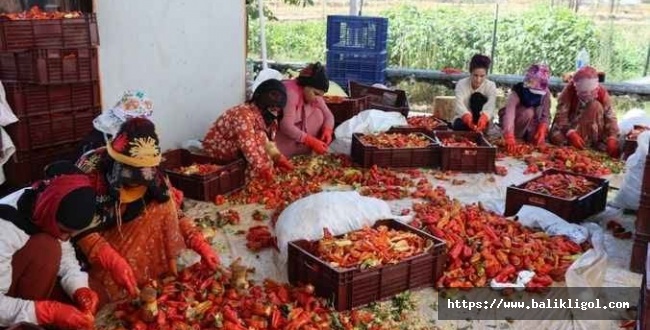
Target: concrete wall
(189, 56)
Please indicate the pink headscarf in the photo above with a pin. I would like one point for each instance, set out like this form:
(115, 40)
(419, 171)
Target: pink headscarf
(536, 78)
(586, 83)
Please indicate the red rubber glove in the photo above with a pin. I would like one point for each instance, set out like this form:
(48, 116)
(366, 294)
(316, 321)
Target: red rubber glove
(120, 270)
(467, 119)
(575, 139)
(612, 148)
(326, 135)
(266, 174)
(510, 142)
(195, 241)
(61, 315)
(315, 144)
(483, 122)
(87, 300)
(283, 163)
(540, 134)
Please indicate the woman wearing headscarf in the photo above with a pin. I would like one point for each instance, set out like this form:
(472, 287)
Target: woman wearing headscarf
(475, 97)
(38, 266)
(307, 123)
(584, 115)
(528, 109)
(248, 131)
(132, 104)
(141, 233)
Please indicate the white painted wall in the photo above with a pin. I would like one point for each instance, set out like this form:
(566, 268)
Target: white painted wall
(189, 56)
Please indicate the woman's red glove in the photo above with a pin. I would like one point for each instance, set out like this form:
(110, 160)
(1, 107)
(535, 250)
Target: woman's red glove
(510, 142)
(120, 270)
(483, 122)
(283, 163)
(468, 120)
(195, 241)
(326, 135)
(62, 315)
(315, 144)
(575, 139)
(540, 134)
(87, 300)
(613, 149)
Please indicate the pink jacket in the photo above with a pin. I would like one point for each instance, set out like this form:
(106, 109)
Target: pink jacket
(300, 119)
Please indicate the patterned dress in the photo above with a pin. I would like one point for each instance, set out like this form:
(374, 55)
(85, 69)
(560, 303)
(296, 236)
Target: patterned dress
(241, 132)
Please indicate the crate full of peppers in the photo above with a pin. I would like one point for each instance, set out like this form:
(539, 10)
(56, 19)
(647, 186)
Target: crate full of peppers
(200, 177)
(369, 264)
(397, 149)
(573, 197)
(344, 108)
(468, 152)
(630, 140)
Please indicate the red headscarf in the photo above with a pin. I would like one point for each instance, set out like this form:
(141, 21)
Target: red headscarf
(48, 201)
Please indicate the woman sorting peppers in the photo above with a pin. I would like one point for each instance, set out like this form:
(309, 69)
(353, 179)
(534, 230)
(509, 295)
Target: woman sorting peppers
(140, 234)
(41, 282)
(584, 116)
(475, 97)
(528, 109)
(248, 131)
(307, 123)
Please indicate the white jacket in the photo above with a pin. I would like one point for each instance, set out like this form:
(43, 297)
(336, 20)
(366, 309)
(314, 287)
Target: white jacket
(12, 239)
(464, 91)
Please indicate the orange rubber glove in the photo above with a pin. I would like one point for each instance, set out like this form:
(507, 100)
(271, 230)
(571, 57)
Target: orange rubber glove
(510, 142)
(483, 122)
(87, 300)
(120, 270)
(315, 144)
(194, 240)
(540, 134)
(467, 119)
(613, 149)
(575, 139)
(61, 315)
(326, 135)
(283, 163)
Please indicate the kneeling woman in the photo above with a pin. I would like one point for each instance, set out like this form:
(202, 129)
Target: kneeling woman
(35, 225)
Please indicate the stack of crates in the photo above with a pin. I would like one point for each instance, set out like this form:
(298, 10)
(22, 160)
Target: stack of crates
(50, 73)
(356, 49)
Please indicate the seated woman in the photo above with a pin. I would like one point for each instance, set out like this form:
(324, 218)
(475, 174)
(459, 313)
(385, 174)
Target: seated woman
(248, 130)
(307, 123)
(585, 116)
(140, 233)
(133, 104)
(475, 97)
(38, 263)
(528, 109)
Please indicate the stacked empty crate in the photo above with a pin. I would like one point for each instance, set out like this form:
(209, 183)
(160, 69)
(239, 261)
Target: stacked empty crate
(50, 71)
(356, 49)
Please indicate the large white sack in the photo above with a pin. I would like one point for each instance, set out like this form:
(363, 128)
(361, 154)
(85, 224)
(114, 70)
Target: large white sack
(630, 192)
(366, 122)
(338, 211)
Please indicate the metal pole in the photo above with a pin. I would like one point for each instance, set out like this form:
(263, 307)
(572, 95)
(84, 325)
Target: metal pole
(494, 35)
(647, 62)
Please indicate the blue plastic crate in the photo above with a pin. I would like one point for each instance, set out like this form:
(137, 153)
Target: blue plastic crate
(357, 33)
(364, 67)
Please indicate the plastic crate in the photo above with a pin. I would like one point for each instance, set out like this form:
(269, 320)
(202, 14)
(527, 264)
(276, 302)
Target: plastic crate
(49, 33)
(467, 159)
(368, 67)
(572, 210)
(349, 288)
(31, 99)
(362, 33)
(45, 130)
(367, 156)
(26, 167)
(381, 99)
(346, 108)
(230, 177)
(43, 66)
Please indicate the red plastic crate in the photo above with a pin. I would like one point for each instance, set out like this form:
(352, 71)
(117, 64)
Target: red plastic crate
(367, 156)
(49, 33)
(48, 129)
(32, 99)
(27, 167)
(44, 66)
(346, 108)
(572, 210)
(349, 288)
(467, 159)
(230, 177)
(381, 99)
